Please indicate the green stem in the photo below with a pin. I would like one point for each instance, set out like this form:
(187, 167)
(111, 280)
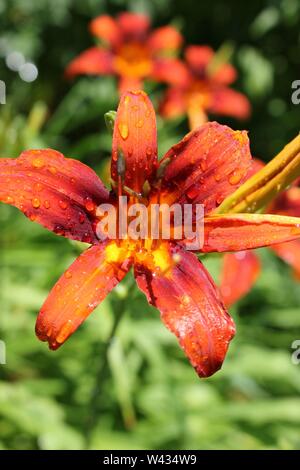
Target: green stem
(93, 404)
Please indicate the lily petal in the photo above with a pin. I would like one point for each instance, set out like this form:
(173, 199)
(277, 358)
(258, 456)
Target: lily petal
(239, 273)
(173, 103)
(164, 39)
(93, 61)
(238, 232)
(229, 102)
(287, 203)
(224, 75)
(206, 166)
(290, 253)
(78, 292)
(134, 26)
(59, 193)
(106, 28)
(129, 83)
(190, 307)
(135, 140)
(198, 57)
(171, 71)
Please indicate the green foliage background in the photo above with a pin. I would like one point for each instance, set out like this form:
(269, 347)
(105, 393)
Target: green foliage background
(138, 390)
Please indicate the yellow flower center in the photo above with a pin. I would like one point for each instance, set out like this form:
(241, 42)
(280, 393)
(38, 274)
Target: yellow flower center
(133, 61)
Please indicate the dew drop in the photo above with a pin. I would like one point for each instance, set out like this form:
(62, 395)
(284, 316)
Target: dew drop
(9, 200)
(52, 170)
(65, 331)
(47, 204)
(123, 129)
(192, 192)
(68, 274)
(36, 203)
(63, 205)
(49, 332)
(87, 238)
(235, 177)
(81, 218)
(89, 205)
(38, 163)
(59, 230)
(203, 165)
(139, 123)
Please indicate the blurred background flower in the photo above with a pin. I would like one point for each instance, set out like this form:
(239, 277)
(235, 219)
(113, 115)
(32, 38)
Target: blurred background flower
(146, 396)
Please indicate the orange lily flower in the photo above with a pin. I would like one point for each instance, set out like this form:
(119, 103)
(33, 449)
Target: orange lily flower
(206, 166)
(240, 270)
(203, 89)
(130, 51)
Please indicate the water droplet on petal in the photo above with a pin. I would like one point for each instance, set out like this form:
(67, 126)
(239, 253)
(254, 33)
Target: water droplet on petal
(49, 332)
(9, 200)
(203, 165)
(68, 274)
(65, 331)
(87, 238)
(192, 192)
(47, 204)
(89, 205)
(36, 203)
(38, 163)
(235, 177)
(219, 199)
(123, 129)
(81, 218)
(63, 205)
(52, 170)
(139, 123)
(59, 230)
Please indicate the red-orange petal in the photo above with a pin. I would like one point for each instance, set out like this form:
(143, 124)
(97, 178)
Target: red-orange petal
(93, 61)
(135, 140)
(134, 26)
(206, 166)
(224, 75)
(106, 29)
(78, 292)
(173, 103)
(129, 84)
(290, 253)
(171, 71)
(59, 193)
(191, 308)
(228, 102)
(239, 232)
(164, 39)
(287, 203)
(239, 273)
(198, 57)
